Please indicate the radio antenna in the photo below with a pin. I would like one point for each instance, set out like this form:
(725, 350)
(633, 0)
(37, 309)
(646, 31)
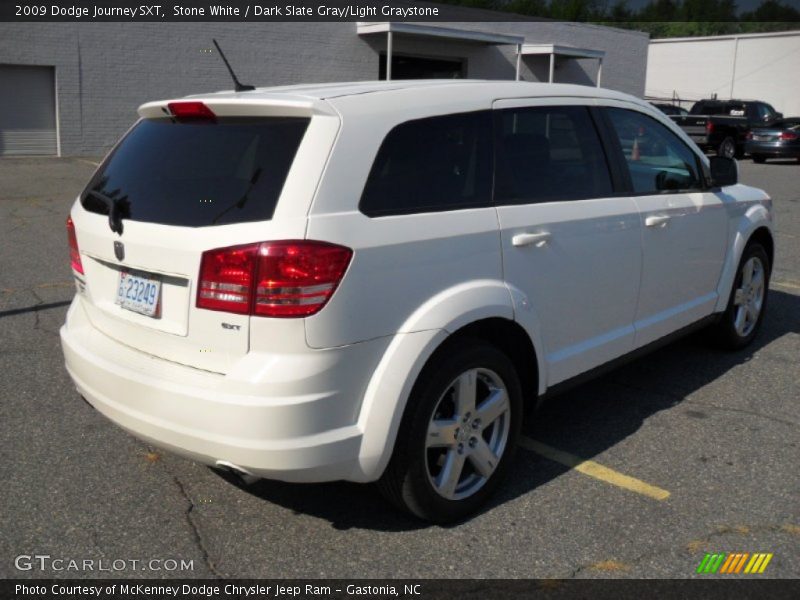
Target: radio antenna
(237, 85)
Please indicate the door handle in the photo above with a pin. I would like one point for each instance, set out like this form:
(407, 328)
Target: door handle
(526, 239)
(657, 220)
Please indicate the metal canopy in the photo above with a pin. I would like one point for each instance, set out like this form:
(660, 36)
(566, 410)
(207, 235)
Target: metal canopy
(554, 50)
(459, 35)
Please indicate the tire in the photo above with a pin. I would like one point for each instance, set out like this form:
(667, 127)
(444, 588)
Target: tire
(464, 445)
(758, 158)
(727, 148)
(747, 304)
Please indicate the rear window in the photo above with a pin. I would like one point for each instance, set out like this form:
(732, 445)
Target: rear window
(198, 173)
(731, 109)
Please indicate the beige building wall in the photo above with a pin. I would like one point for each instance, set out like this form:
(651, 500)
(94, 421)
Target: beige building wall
(755, 66)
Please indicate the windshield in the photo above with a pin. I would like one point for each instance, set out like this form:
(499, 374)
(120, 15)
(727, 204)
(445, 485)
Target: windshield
(197, 173)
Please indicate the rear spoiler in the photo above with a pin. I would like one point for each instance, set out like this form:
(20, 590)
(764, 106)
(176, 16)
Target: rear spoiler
(263, 106)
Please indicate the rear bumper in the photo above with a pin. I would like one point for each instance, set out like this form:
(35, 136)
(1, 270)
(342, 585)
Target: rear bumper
(307, 432)
(772, 149)
(701, 141)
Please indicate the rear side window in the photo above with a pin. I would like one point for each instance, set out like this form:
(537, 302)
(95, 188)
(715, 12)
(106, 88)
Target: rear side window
(432, 164)
(548, 154)
(198, 173)
(707, 108)
(657, 159)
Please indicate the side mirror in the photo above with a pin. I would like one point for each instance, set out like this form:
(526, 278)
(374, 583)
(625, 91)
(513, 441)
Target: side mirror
(724, 171)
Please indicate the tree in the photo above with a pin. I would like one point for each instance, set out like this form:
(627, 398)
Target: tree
(534, 8)
(772, 11)
(577, 10)
(620, 11)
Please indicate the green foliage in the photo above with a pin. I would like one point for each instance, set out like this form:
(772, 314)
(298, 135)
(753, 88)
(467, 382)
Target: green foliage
(772, 11)
(660, 18)
(535, 8)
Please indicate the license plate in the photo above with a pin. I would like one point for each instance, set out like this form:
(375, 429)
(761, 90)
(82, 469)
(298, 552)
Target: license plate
(139, 292)
(762, 138)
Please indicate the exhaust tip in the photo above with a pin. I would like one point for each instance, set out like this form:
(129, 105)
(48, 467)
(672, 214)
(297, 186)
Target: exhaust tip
(244, 475)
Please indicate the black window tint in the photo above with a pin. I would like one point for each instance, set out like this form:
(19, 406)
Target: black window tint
(198, 173)
(548, 154)
(657, 159)
(763, 111)
(710, 108)
(432, 164)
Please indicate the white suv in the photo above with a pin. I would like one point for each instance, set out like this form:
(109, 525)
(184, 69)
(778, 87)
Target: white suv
(367, 281)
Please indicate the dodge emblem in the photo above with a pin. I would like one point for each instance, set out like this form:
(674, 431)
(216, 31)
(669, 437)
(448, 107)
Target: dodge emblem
(119, 251)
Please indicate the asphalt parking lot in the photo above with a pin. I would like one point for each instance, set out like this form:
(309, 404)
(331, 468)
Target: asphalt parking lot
(696, 451)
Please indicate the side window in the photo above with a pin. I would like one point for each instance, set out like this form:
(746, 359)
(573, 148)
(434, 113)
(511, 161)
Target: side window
(433, 164)
(765, 111)
(657, 159)
(548, 154)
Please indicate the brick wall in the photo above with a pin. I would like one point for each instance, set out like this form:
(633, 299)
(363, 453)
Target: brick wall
(104, 71)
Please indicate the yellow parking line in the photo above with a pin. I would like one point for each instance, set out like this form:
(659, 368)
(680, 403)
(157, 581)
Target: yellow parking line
(788, 284)
(89, 162)
(593, 469)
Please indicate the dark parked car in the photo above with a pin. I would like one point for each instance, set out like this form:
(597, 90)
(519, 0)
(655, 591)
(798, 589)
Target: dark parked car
(722, 125)
(671, 109)
(779, 140)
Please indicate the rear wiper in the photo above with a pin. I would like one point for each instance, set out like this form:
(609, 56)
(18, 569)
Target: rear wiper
(241, 201)
(116, 208)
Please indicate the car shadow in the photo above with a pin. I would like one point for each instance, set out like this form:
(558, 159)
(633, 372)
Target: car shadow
(585, 421)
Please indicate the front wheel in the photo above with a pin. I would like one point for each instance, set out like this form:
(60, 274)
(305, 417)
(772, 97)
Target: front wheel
(458, 433)
(748, 300)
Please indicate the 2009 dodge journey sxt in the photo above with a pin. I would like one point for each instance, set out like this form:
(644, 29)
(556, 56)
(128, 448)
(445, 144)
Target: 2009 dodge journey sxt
(367, 281)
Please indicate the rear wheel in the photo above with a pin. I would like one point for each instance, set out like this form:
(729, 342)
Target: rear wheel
(458, 433)
(727, 148)
(758, 158)
(748, 300)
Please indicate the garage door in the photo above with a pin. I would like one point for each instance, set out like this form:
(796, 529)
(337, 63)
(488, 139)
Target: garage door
(27, 110)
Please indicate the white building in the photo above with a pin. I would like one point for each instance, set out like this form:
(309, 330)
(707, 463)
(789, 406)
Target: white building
(759, 66)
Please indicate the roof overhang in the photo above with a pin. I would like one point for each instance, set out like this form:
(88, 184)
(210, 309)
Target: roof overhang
(554, 51)
(430, 31)
(560, 51)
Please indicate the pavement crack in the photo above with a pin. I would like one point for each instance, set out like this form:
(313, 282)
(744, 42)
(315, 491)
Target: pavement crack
(753, 413)
(724, 530)
(37, 324)
(198, 538)
(39, 302)
(678, 398)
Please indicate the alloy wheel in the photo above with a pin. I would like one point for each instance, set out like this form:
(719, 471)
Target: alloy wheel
(467, 433)
(749, 296)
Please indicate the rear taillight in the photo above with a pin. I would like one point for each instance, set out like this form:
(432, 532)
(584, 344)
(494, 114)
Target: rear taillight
(272, 279)
(226, 279)
(787, 135)
(74, 253)
(709, 127)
